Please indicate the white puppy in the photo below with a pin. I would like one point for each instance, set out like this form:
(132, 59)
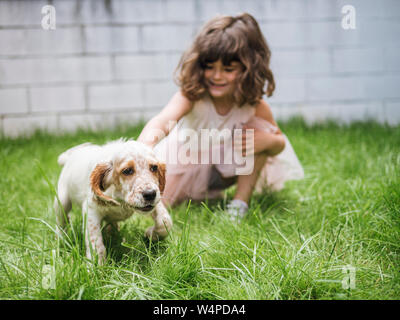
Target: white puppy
(110, 183)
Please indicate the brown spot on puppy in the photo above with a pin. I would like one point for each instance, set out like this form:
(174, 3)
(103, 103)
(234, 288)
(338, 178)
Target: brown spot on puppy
(98, 183)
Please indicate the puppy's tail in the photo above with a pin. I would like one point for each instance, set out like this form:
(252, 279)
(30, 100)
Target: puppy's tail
(63, 157)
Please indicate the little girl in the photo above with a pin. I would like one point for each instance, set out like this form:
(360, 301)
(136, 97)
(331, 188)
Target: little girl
(222, 79)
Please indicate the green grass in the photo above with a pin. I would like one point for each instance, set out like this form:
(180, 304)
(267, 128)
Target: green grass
(294, 244)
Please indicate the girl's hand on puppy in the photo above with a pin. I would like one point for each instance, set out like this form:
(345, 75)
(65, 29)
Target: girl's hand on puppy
(254, 141)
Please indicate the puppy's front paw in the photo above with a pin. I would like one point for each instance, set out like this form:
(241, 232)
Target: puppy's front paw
(152, 234)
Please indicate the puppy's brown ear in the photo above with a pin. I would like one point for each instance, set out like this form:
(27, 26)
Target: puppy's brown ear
(161, 176)
(98, 182)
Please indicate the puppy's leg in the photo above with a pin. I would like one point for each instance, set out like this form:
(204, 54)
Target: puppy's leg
(93, 236)
(162, 223)
(62, 206)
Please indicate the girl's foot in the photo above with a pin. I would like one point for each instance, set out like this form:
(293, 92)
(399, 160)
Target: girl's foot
(237, 209)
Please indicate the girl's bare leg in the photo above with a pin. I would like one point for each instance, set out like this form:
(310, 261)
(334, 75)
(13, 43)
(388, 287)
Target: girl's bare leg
(246, 183)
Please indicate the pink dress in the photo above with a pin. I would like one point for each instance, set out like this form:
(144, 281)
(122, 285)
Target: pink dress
(197, 165)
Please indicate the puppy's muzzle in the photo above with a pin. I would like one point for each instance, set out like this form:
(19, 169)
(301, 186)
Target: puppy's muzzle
(149, 195)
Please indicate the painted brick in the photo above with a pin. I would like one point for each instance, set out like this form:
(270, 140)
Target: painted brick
(284, 34)
(12, 42)
(39, 41)
(180, 10)
(207, 9)
(258, 9)
(391, 59)
(343, 113)
(165, 37)
(26, 125)
(386, 86)
(288, 90)
(392, 113)
(375, 33)
(110, 39)
(157, 94)
(92, 11)
(172, 64)
(347, 113)
(116, 96)
(333, 9)
(338, 88)
(54, 99)
(232, 7)
(13, 101)
(138, 11)
(308, 34)
(48, 70)
(93, 121)
(289, 9)
(301, 62)
(358, 60)
(14, 13)
(126, 119)
(391, 8)
(145, 66)
(284, 113)
(149, 113)
(266, 10)
(118, 11)
(70, 11)
(317, 113)
(330, 33)
(59, 41)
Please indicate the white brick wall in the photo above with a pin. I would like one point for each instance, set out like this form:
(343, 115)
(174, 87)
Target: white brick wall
(13, 100)
(116, 96)
(358, 60)
(111, 39)
(32, 71)
(57, 99)
(166, 37)
(111, 62)
(14, 126)
(142, 67)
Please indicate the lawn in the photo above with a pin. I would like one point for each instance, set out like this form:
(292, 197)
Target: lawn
(333, 235)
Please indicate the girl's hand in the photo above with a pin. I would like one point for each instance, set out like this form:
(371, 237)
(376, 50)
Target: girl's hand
(251, 144)
(260, 141)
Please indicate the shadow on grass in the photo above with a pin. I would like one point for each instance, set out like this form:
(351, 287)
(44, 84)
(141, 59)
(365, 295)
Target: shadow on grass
(129, 244)
(263, 204)
(122, 247)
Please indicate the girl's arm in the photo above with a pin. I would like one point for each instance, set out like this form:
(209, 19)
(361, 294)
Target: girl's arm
(271, 143)
(160, 125)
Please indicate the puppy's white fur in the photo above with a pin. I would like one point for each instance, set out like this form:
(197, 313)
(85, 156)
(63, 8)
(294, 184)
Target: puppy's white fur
(110, 183)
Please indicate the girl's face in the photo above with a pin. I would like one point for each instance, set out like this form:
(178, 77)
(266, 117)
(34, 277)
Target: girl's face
(219, 79)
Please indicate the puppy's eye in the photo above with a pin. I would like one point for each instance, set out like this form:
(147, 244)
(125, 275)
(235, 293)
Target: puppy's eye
(127, 171)
(153, 168)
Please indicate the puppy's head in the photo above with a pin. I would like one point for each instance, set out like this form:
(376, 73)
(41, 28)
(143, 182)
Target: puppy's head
(137, 176)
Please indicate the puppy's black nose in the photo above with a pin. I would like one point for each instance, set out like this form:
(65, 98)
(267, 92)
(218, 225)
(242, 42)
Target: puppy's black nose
(149, 195)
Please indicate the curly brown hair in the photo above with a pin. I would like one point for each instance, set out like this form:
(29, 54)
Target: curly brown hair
(230, 39)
